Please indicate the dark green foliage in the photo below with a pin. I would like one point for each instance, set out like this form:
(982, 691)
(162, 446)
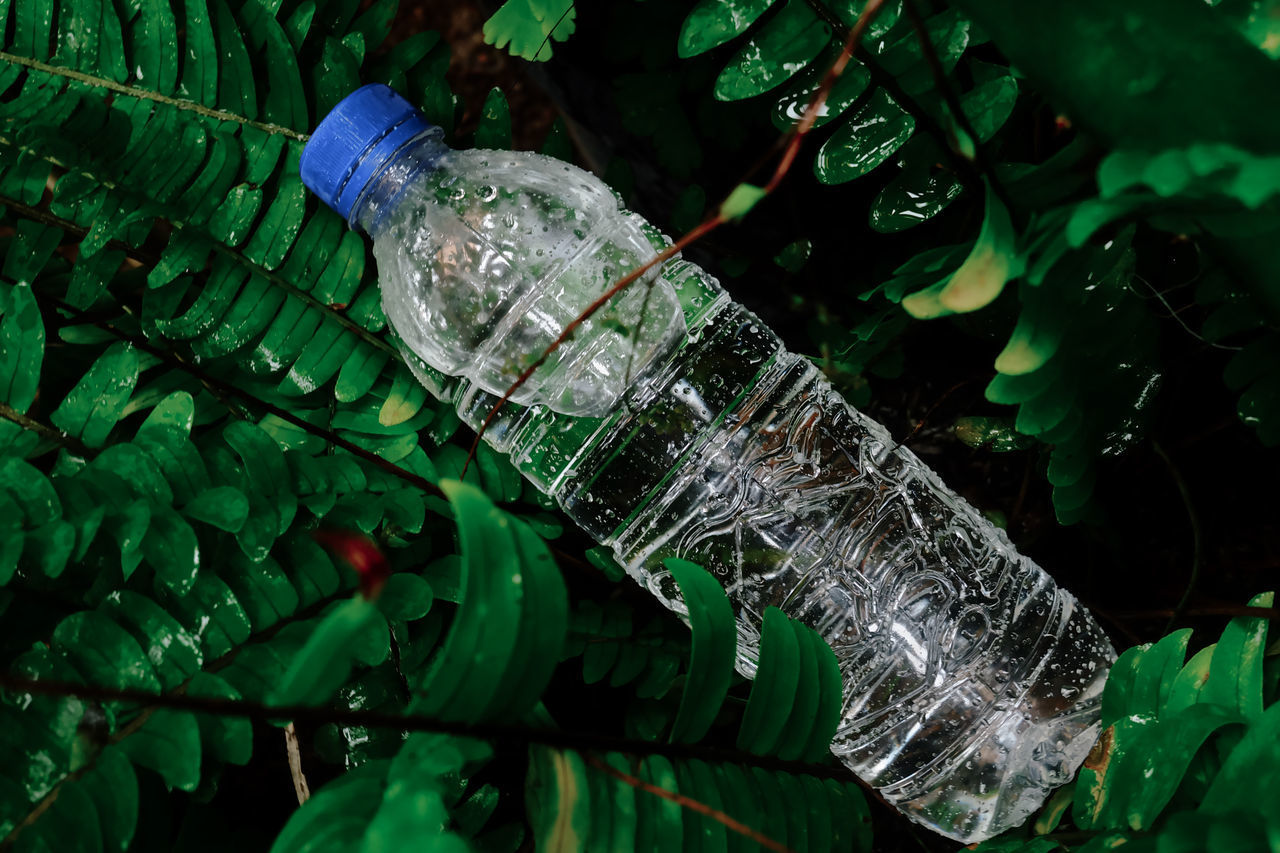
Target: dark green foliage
(584, 803)
(1187, 754)
(196, 377)
(384, 804)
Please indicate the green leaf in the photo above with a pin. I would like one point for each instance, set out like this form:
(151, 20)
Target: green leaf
(284, 103)
(715, 642)
(405, 597)
(1159, 667)
(335, 817)
(1235, 677)
(558, 800)
(1251, 770)
(830, 701)
(712, 23)
(262, 589)
(31, 491)
(112, 786)
(1189, 683)
(1036, 336)
(335, 76)
(168, 743)
(97, 401)
(527, 28)
(485, 631)
(172, 650)
(224, 737)
(170, 547)
(21, 347)
(801, 721)
(199, 78)
(177, 410)
(948, 33)
(155, 47)
(989, 105)
(280, 223)
(71, 824)
(374, 22)
(864, 141)
(991, 263)
(104, 653)
(543, 624)
(661, 820)
(1145, 779)
(272, 505)
(785, 45)
(325, 662)
(1124, 91)
(1093, 806)
(223, 507)
(494, 129)
(211, 612)
(32, 246)
(774, 687)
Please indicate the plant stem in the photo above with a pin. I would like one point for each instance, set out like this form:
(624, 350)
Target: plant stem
(943, 85)
(1196, 539)
(790, 144)
(147, 95)
(317, 716)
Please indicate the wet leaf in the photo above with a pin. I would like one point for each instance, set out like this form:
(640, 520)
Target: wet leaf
(325, 661)
(21, 348)
(785, 45)
(712, 657)
(494, 130)
(864, 141)
(711, 23)
(992, 261)
(168, 743)
(97, 401)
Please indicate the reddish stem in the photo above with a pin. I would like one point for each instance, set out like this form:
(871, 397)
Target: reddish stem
(793, 139)
(690, 804)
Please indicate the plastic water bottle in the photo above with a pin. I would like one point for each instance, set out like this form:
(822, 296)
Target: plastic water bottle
(675, 424)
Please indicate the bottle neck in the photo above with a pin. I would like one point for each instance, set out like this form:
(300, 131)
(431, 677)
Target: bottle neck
(419, 155)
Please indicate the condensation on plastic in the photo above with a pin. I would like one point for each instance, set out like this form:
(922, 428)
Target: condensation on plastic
(675, 424)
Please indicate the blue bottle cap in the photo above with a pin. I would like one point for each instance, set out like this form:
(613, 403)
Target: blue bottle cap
(354, 141)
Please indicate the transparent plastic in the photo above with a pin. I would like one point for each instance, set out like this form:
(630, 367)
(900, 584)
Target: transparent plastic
(675, 423)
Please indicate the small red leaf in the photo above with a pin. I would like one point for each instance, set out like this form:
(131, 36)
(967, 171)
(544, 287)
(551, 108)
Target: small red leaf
(361, 553)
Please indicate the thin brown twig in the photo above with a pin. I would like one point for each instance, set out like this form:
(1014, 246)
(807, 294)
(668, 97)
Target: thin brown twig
(569, 330)
(43, 430)
(300, 787)
(1197, 547)
(965, 170)
(924, 420)
(691, 804)
(792, 141)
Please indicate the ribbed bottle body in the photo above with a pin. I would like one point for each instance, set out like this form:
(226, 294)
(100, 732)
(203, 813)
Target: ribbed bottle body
(679, 426)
